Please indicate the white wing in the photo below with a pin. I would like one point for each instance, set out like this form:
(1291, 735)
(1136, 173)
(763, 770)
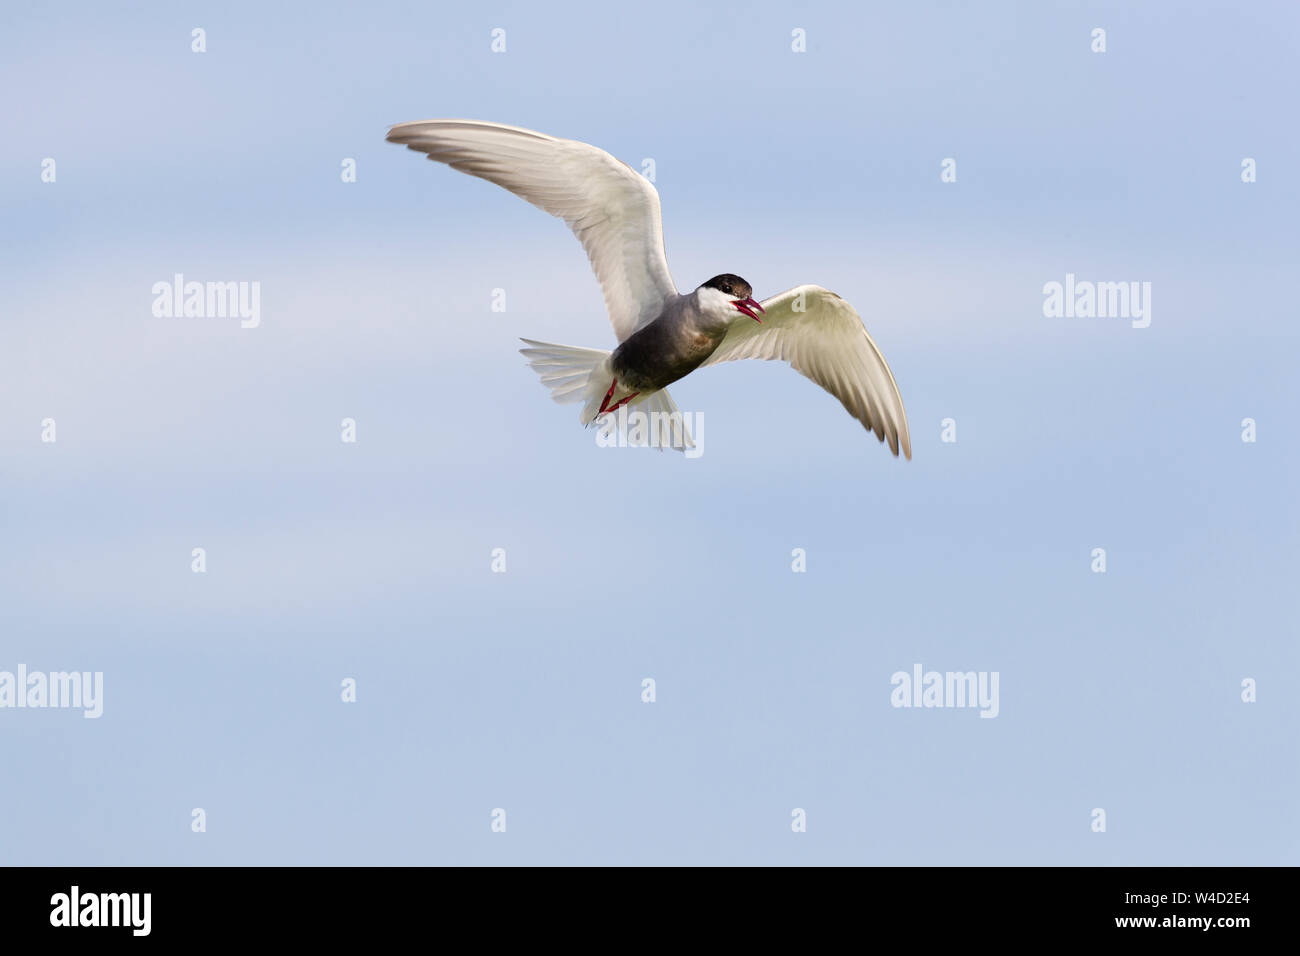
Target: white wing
(823, 338)
(612, 210)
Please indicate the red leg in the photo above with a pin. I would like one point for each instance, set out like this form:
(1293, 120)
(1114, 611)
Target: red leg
(604, 405)
(623, 401)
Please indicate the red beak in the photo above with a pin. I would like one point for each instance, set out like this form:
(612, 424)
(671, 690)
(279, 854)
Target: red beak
(748, 306)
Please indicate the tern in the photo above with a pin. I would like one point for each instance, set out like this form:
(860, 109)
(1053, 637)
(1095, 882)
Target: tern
(663, 335)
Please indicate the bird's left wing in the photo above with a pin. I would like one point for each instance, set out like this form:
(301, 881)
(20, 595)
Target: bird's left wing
(612, 210)
(823, 338)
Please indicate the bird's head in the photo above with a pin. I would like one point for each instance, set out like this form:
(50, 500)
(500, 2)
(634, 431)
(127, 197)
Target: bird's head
(729, 292)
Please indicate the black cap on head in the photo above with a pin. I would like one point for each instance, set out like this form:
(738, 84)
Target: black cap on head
(732, 285)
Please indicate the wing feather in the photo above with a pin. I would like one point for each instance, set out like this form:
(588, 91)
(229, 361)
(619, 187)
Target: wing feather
(823, 338)
(612, 210)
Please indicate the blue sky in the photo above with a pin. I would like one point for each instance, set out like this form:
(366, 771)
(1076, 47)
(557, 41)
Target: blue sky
(522, 690)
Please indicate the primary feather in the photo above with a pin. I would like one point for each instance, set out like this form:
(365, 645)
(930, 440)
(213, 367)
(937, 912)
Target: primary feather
(612, 210)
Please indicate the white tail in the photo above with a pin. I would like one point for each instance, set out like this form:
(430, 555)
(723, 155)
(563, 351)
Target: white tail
(572, 374)
(583, 375)
(667, 427)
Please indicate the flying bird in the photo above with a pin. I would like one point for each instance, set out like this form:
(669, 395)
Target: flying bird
(663, 335)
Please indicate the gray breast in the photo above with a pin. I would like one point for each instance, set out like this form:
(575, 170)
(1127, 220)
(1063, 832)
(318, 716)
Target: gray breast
(663, 351)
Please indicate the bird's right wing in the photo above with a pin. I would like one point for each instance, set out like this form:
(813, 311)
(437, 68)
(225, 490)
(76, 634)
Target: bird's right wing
(612, 210)
(823, 338)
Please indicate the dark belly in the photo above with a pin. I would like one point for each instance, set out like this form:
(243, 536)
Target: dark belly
(656, 356)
